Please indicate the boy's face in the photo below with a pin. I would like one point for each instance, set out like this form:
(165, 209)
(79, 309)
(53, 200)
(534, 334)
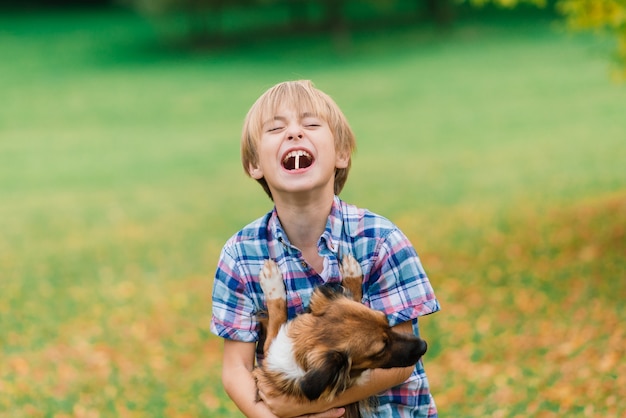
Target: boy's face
(296, 153)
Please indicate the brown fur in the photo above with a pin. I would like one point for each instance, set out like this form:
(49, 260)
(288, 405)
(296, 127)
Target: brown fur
(335, 343)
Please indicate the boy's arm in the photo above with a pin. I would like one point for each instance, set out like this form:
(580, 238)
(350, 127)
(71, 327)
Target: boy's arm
(238, 362)
(380, 380)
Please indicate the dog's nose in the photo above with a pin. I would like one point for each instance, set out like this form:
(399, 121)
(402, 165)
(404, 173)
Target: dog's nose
(422, 347)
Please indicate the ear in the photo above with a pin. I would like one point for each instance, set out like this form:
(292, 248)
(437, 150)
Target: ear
(342, 159)
(330, 371)
(255, 171)
(322, 295)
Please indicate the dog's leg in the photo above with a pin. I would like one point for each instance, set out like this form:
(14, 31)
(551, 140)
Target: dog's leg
(271, 281)
(352, 276)
(352, 279)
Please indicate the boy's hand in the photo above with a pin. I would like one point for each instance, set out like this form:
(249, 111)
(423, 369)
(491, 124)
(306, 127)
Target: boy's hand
(287, 407)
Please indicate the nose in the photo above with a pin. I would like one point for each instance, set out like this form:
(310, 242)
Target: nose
(294, 131)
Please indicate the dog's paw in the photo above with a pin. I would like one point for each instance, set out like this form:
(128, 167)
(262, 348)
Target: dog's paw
(350, 267)
(271, 281)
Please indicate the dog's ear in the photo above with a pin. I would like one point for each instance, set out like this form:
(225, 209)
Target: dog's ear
(330, 370)
(322, 295)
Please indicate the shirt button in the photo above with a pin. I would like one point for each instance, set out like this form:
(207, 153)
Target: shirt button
(303, 264)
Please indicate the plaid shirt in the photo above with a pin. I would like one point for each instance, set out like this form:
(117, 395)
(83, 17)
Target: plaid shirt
(394, 282)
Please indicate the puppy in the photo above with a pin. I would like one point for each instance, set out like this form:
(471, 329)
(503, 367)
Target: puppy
(321, 353)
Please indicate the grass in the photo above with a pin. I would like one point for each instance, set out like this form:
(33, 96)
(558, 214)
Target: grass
(498, 147)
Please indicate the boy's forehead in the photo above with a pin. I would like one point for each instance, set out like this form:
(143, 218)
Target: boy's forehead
(290, 111)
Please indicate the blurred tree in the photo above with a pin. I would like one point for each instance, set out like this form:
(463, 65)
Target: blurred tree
(441, 11)
(505, 3)
(193, 11)
(211, 20)
(205, 18)
(31, 4)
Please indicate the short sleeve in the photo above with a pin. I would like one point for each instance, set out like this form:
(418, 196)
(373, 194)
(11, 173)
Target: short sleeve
(232, 307)
(398, 284)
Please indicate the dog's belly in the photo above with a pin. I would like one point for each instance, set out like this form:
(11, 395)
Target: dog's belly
(280, 357)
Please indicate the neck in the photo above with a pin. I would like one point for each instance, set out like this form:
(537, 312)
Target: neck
(304, 220)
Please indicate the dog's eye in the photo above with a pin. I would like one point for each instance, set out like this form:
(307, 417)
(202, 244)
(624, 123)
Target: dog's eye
(384, 348)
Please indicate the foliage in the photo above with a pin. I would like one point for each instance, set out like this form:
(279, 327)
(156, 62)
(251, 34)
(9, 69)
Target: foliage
(219, 20)
(601, 15)
(498, 150)
(205, 19)
(608, 16)
(506, 3)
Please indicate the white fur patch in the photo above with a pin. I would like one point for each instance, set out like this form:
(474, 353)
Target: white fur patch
(280, 357)
(364, 378)
(271, 280)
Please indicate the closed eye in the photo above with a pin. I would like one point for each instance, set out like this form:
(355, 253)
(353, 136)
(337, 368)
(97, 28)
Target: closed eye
(311, 122)
(383, 350)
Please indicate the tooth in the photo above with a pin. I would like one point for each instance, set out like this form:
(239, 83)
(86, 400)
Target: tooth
(296, 155)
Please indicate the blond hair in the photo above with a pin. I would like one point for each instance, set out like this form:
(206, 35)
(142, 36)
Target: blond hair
(302, 96)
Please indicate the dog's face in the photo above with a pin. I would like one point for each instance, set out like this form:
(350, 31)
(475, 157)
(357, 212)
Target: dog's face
(341, 338)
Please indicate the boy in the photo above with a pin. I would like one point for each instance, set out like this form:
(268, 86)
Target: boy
(297, 144)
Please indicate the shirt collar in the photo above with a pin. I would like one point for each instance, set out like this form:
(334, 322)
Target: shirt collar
(331, 236)
(334, 225)
(277, 231)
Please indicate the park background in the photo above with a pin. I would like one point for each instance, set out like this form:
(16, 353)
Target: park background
(494, 137)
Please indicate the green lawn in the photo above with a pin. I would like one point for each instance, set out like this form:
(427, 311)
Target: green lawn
(498, 147)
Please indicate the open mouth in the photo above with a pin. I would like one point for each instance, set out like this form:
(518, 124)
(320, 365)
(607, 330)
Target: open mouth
(296, 160)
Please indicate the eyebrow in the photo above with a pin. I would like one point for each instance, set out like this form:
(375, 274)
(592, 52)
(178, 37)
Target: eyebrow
(279, 118)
